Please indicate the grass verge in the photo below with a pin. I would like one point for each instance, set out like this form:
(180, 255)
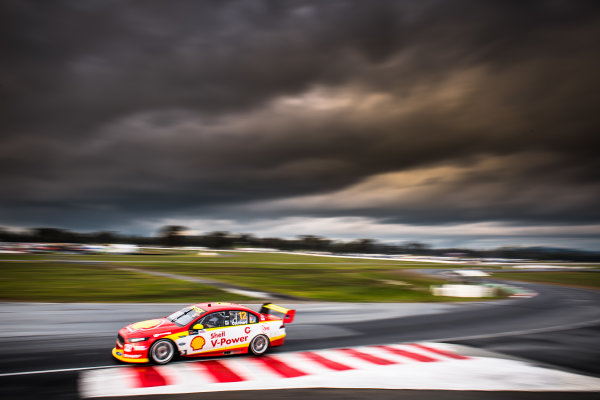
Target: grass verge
(327, 282)
(60, 277)
(586, 279)
(53, 282)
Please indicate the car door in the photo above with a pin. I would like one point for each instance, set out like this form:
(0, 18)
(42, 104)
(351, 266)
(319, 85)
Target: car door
(223, 331)
(244, 326)
(207, 339)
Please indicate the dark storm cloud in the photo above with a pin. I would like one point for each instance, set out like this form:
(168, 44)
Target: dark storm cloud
(116, 110)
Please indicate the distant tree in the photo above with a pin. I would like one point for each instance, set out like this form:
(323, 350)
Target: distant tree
(53, 235)
(276, 243)
(218, 240)
(356, 246)
(245, 239)
(10, 236)
(105, 237)
(417, 248)
(172, 235)
(310, 242)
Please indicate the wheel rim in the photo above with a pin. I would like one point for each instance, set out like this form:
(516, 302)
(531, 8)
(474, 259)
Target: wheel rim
(259, 344)
(163, 352)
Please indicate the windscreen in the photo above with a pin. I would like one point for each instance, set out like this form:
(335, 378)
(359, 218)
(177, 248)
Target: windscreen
(185, 315)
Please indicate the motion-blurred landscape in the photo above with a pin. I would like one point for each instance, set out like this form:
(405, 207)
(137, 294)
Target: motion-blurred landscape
(418, 180)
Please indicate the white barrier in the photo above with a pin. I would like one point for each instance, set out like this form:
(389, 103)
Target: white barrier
(464, 291)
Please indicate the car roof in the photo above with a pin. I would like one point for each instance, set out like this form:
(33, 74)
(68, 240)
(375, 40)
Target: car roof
(210, 307)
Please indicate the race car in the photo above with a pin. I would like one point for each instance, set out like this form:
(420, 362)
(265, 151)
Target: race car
(204, 329)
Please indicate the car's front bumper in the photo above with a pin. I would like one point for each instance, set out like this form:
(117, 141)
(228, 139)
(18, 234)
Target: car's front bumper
(133, 357)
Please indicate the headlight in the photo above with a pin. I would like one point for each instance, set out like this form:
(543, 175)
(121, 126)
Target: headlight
(137, 339)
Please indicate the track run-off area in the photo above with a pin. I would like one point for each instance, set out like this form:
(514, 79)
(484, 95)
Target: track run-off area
(545, 343)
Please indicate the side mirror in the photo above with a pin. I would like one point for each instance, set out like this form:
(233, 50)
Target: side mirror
(197, 327)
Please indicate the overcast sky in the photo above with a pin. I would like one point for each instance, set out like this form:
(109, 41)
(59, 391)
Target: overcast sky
(457, 123)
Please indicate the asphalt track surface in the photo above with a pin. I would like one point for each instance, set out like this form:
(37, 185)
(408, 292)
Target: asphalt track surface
(557, 328)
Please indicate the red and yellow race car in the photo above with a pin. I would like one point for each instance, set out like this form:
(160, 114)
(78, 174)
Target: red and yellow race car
(205, 329)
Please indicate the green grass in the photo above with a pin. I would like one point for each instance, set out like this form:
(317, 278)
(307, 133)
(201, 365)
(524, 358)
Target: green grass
(587, 279)
(309, 277)
(60, 277)
(55, 282)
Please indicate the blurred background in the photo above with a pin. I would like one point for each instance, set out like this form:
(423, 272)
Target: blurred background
(300, 151)
(464, 124)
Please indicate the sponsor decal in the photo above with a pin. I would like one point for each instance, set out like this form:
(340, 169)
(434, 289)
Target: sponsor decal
(247, 329)
(150, 324)
(216, 335)
(197, 309)
(128, 348)
(139, 348)
(198, 343)
(227, 342)
(265, 327)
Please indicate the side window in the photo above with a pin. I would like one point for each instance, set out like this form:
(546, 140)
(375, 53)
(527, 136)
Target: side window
(242, 318)
(238, 317)
(215, 320)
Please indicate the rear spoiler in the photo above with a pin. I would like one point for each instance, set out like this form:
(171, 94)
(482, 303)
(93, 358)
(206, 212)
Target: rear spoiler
(285, 314)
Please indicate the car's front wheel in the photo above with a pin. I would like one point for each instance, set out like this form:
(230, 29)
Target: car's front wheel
(259, 345)
(162, 351)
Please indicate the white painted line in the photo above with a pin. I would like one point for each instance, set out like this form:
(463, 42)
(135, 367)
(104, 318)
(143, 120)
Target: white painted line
(50, 371)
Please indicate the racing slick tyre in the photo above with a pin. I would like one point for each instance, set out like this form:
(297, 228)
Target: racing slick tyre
(259, 345)
(162, 351)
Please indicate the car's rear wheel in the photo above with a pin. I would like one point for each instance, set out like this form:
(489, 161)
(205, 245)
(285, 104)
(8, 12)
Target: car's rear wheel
(259, 345)
(162, 351)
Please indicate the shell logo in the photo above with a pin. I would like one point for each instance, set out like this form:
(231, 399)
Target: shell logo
(151, 323)
(198, 343)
